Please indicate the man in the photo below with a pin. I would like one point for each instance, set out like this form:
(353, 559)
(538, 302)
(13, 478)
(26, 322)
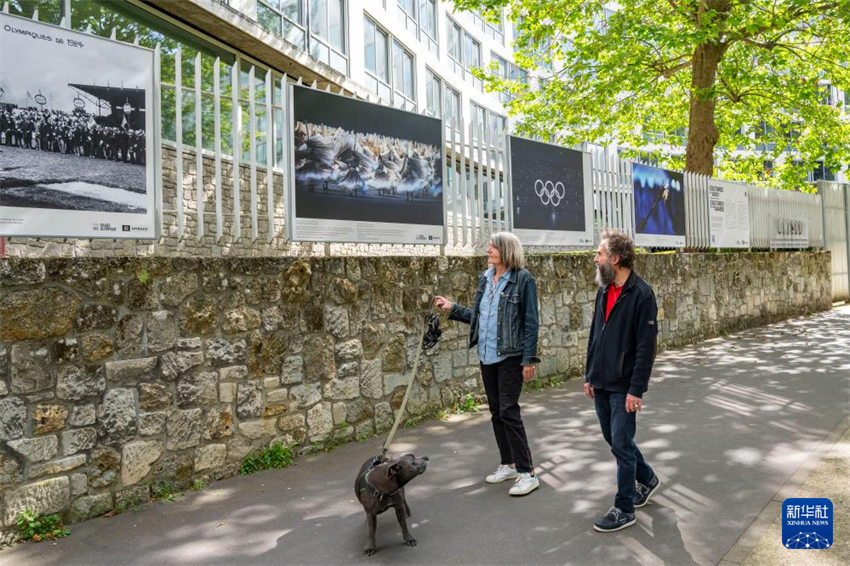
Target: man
(620, 353)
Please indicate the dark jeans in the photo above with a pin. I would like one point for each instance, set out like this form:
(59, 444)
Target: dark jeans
(503, 384)
(618, 428)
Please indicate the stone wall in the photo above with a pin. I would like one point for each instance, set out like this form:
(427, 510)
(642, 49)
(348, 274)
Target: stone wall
(118, 374)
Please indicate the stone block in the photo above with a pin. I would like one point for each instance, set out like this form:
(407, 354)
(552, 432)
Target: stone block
(240, 319)
(292, 370)
(161, 331)
(348, 388)
(175, 364)
(319, 421)
(78, 440)
(210, 456)
(13, 415)
(319, 358)
(55, 467)
(95, 317)
(79, 484)
(35, 449)
(96, 347)
(183, 429)
(30, 368)
(198, 389)
(89, 506)
(218, 423)
(154, 396)
(9, 471)
(37, 314)
(136, 460)
(65, 351)
(49, 418)
(249, 400)
(130, 372)
(116, 417)
(44, 497)
(257, 429)
(224, 352)
(151, 424)
(82, 415)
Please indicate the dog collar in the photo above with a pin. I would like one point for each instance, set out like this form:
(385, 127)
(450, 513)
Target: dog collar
(370, 489)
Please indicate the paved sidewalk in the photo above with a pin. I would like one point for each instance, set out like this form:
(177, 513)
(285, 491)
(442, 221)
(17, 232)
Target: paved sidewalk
(727, 425)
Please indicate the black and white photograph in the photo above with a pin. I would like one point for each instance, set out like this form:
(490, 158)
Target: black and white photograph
(75, 134)
(551, 193)
(659, 206)
(365, 173)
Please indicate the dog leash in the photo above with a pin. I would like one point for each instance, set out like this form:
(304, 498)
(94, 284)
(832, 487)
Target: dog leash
(430, 335)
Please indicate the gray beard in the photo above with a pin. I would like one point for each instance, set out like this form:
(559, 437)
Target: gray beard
(604, 274)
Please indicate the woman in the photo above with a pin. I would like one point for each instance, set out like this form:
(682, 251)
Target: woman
(503, 323)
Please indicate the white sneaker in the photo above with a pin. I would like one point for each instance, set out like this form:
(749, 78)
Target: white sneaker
(525, 483)
(502, 473)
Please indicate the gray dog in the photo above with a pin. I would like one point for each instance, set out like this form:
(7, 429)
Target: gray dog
(380, 485)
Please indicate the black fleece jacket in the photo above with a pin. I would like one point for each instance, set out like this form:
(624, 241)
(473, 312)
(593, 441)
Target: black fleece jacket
(620, 352)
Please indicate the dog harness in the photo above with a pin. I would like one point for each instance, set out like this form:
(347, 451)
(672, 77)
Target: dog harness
(369, 488)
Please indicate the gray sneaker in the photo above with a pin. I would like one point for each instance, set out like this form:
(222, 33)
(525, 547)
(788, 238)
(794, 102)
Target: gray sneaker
(502, 473)
(524, 484)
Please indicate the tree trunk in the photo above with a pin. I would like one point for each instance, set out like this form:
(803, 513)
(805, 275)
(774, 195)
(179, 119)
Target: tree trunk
(702, 131)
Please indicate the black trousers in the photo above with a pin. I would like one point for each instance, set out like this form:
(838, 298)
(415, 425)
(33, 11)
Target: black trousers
(503, 384)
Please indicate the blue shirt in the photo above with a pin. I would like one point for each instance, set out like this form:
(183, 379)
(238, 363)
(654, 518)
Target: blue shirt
(488, 325)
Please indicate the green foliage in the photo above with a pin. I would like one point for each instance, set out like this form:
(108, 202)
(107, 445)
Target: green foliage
(199, 484)
(164, 490)
(466, 404)
(275, 456)
(129, 504)
(628, 76)
(143, 275)
(36, 528)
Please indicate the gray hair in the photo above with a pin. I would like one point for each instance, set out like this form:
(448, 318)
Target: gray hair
(620, 245)
(510, 249)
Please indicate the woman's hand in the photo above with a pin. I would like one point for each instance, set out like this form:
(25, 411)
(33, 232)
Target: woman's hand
(528, 372)
(442, 303)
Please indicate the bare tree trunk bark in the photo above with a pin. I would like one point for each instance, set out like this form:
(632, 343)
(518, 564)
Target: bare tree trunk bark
(702, 131)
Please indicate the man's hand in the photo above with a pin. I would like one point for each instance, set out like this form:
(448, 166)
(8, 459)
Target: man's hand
(528, 372)
(633, 404)
(442, 303)
(588, 390)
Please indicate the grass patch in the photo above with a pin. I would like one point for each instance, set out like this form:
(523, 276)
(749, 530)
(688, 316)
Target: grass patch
(275, 456)
(199, 484)
(164, 491)
(37, 528)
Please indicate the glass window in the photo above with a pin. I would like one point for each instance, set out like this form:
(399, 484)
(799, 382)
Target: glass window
(326, 40)
(433, 94)
(452, 112)
(389, 67)
(428, 19)
(471, 57)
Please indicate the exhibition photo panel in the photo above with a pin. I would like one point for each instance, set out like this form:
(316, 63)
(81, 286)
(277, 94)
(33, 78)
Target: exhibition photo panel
(659, 197)
(551, 194)
(76, 134)
(364, 172)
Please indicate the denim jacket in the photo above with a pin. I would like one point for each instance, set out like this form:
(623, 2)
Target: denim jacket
(518, 322)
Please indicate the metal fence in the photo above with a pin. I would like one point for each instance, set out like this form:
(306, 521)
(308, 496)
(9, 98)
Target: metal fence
(247, 104)
(836, 221)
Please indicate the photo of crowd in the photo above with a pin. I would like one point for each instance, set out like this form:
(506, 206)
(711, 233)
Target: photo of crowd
(75, 133)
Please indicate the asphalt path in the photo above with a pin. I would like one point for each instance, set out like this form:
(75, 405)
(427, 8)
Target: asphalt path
(726, 425)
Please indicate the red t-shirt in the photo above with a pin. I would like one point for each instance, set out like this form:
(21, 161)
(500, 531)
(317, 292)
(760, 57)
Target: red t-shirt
(613, 293)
